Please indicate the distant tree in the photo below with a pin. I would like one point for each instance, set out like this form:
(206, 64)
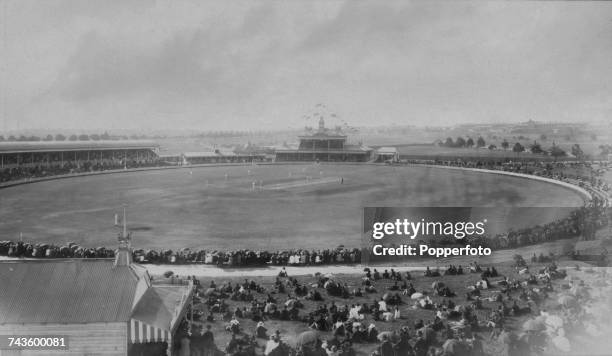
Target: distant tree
(83, 137)
(593, 137)
(605, 149)
(95, 137)
(577, 151)
(449, 142)
(12, 138)
(1, 138)
(557, 152)
(33, 138)
(460, 142)
(105, 136)
(519, 261)
(133, 137)
(518, 148)
(60, 137)
(505, 144)
(48, 138)
(480, 142)
(543, 137)
(536, 148)
(492, 147)
(73, 137)
(22, 138)
(469, 143)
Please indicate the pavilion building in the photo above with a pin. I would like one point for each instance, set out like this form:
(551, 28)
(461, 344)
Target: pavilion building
(324, 145)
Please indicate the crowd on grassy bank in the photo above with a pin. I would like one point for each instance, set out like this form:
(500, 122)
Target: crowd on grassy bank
(584, 221)
(575, 172)
(526, 310)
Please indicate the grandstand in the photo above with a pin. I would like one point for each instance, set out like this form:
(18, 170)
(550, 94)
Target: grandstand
(29, 154)
(27, 160)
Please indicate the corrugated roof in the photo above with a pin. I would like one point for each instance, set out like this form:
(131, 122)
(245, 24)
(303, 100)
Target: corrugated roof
(66, 291)
(57, 146)
(200, 154)
(160, 304)
(387, 150)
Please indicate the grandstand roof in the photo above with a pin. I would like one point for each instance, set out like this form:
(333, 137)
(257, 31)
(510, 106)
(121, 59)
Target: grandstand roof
(67, 291)
(201, 154)
(63, 146)
(217, 154)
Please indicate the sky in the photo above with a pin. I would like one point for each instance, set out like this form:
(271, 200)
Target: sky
(244, 65)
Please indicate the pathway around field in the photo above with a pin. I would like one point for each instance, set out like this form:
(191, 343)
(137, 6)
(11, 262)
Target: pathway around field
(498, 256)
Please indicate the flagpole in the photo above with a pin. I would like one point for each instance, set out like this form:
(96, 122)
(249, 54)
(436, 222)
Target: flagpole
(124, 222)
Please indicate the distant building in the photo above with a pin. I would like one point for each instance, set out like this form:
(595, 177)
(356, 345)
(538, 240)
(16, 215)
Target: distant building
(324, 145)
(221, 156)
(387, 154)
(102, 306)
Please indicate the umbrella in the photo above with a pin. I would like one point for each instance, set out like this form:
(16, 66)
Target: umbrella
(386, 297)
(533, 325)
(561, 343)
(554, 321)
(416, 295)
(328, 275)
(454, 347)
(391, 336)
(307, 338)
(209, 291)
(567, 300)
(437, 284)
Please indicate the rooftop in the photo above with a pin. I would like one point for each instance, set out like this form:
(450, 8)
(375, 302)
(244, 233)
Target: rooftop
(57, 146)
(67, 291)
(161, 305)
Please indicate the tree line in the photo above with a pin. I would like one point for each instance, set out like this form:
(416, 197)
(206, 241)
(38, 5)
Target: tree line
(82, 137)
(535, 147)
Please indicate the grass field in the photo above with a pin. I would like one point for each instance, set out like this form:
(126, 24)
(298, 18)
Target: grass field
(200, 208)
